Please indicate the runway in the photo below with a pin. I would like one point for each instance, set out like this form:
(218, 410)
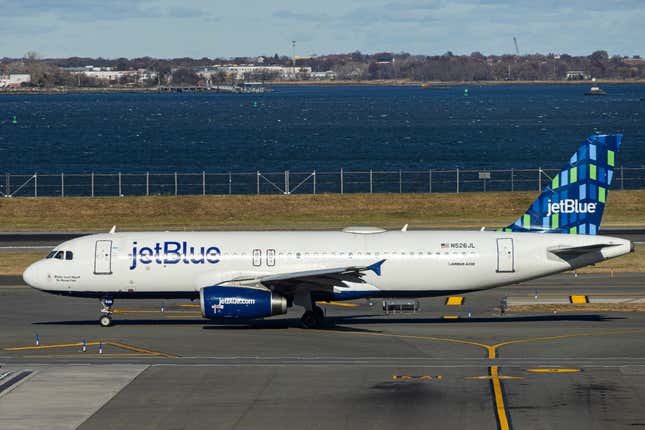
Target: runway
(436, 368)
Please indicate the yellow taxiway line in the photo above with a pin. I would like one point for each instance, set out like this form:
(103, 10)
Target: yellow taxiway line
(500, 408)
(553, 370)
(346, 305)
(136, 349)
(491, 349)
(60, 345)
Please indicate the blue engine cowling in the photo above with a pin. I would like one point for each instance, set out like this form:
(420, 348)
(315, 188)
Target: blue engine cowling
(240, 302)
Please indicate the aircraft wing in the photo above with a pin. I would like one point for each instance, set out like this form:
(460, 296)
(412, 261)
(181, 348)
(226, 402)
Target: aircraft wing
(317, 279)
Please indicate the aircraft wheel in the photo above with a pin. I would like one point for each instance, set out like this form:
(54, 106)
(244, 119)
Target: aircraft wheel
(318, 313)
(105, 321)
(310, 320)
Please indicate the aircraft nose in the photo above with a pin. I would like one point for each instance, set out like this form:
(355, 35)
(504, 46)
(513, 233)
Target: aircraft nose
(31, 275)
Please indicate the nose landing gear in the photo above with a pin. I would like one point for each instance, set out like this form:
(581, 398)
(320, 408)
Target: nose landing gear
(106, 309)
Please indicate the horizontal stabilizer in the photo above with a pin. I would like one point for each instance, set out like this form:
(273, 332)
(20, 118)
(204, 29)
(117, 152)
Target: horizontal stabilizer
(575, 251)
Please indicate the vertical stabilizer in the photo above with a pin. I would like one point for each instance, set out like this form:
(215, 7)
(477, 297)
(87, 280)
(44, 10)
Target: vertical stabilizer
(574, 201)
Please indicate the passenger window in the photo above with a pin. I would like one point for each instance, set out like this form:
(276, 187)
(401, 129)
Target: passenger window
(69, 255)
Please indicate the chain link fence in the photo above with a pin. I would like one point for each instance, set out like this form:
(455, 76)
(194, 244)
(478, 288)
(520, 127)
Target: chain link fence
(338, 182)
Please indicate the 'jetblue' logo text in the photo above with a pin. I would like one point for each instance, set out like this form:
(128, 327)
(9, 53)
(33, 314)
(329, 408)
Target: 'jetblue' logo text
(231, 301)
(174, 253)
(569, 206)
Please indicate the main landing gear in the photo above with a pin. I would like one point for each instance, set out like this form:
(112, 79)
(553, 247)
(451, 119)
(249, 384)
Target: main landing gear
(314, 318)
(106, 309)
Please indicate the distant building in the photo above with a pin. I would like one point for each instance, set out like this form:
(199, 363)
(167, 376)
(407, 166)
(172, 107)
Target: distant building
(14, 80)
(329, 75)
(244, 71)
(634, 61)
(385, 59)
(577, 75)
(110, 75)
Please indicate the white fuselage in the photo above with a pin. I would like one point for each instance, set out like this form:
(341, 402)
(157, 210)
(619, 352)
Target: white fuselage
(417, 263)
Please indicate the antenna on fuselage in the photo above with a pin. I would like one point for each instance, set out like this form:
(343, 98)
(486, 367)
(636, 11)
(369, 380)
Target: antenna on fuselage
(113, 229)
(405, 228)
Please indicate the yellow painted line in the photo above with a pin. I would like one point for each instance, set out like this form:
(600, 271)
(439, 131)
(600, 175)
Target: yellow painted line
(140, 350)
(194, 316)
(492, 349)
(499, 377)
(144, 311)
(553, 370)
(80, 344)
(407, 336)
(500, 409)
(450, 317)
(189, 305)
(60, 345)
(454, 301)
(87, 355)
(578, 300)
(417, 377)
(346, 305)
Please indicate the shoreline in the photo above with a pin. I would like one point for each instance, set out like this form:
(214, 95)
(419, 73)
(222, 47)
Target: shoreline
(268, 84)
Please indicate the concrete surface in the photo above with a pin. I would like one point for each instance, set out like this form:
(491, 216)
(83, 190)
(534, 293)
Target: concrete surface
(62, 397)
(363, 370)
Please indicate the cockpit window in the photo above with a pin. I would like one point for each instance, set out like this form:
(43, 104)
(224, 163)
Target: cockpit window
(61, 255)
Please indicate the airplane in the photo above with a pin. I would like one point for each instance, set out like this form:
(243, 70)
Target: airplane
(248, 274)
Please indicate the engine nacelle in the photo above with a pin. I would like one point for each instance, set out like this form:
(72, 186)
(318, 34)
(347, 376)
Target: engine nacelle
(240, 302)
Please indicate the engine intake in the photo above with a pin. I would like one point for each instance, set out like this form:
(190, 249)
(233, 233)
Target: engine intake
(240, 302)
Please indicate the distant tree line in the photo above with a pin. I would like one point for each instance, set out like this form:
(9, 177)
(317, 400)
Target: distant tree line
(49, 72)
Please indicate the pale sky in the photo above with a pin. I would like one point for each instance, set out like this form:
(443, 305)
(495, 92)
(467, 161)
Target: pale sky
(217, 28)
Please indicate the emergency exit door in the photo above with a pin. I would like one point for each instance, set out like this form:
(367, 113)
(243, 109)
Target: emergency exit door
(505, 256)
(103, 257)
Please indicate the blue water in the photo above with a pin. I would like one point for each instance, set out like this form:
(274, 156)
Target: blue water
(324, 128)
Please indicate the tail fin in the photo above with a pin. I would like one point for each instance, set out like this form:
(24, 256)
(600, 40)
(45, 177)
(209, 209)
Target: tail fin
(575, 200)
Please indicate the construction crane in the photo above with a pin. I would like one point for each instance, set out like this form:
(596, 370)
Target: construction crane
(517, 50)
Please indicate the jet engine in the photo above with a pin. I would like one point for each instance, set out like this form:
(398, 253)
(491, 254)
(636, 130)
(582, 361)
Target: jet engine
(240, 302)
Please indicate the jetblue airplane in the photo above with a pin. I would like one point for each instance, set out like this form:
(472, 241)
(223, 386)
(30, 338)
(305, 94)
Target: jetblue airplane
(250, 274)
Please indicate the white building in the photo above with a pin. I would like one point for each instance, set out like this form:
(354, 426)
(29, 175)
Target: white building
(14, 80)
(110, 75)
(329, 75)
(241, 71)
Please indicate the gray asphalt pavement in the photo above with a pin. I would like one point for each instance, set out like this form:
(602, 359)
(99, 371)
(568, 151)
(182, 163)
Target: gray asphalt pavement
(363, 370)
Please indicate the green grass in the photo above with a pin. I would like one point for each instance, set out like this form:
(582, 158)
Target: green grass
(465, 210)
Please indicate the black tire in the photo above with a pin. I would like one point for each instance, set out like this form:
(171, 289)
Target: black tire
(105, 321)
(309, 320)
(319, 313)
